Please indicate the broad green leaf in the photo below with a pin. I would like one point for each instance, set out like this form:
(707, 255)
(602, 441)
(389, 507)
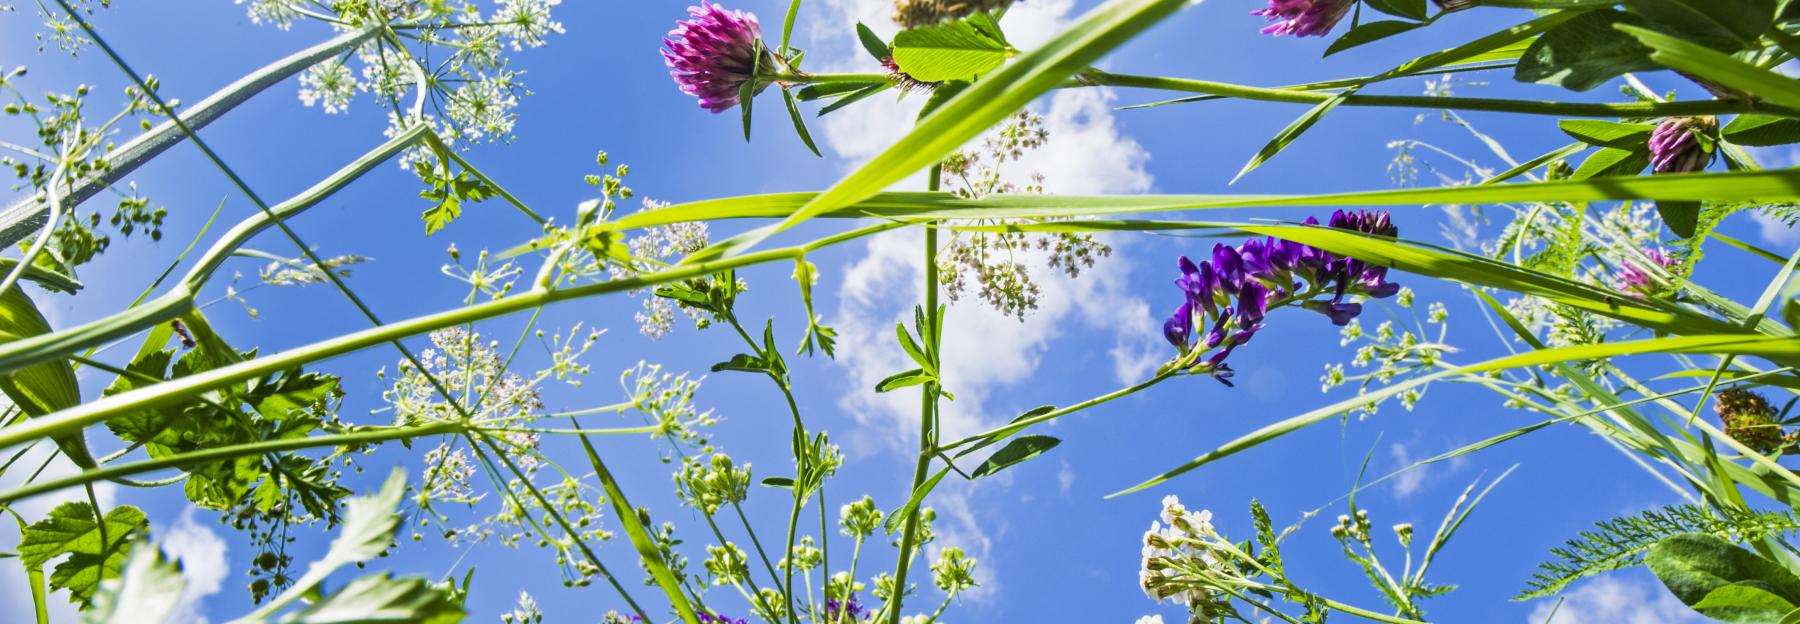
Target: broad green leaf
(1584, 52)
(70, 530)
(1761, 130)
(1695, 565)
(1508, 44)
(1370, 33)
(1718, 23)
(742, 362)
(1743, 602)
(382, 598)
(1626, 136)
(978, 108)
(1610, 162)
(367, 530)
(1718, 67)
(1412, 9)
(1018, 451)
(1682, 217)
(147, 591)
(955, 50)
(41, 388)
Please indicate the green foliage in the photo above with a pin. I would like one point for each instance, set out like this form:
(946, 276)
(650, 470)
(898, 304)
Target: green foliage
(1584, 52)
(449, 191)
(42, 388)
(1619, 543)
(95, 551)
(958, 50)
(1722, 580)
(1018, 451)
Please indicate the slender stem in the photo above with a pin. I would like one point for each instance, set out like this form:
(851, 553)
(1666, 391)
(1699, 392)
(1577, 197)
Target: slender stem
(26, 215)
(757, 543)
(174, 391)
(1530, 107)
(225, 453)
(1000, 433)
(927, 417)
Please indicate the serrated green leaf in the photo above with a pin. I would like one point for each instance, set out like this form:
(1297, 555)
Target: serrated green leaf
(70, 530)
(955, 50)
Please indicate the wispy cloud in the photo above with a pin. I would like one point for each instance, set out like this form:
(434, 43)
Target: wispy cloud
(1609, 599)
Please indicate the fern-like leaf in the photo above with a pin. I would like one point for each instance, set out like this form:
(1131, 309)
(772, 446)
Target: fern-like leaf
(1621, 542)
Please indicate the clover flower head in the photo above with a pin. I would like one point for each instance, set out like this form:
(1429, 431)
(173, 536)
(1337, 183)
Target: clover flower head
(715, 53)
(1303, 18)
(1644, 281)
(1683, 144)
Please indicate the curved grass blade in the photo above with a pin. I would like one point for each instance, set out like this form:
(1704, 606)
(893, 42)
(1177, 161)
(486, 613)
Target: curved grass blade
(640, 538)
(979, 107)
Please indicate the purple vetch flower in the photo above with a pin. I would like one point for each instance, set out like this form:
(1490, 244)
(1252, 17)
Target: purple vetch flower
(1683, 144)
(713, 54)
(1638, 281)
(1231, 293)
(1303, 18)
(708, 618)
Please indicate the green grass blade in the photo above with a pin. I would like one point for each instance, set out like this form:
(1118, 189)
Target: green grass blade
(640, 538)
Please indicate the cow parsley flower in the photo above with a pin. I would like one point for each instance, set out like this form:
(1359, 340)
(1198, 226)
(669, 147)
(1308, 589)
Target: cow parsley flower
(526, 22)
(329, 84)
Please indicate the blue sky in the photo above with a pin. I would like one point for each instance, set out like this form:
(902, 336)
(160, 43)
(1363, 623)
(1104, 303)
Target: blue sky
(1043, 529)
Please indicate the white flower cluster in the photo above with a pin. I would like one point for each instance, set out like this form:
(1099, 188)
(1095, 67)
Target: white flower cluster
(472, 372)
(655, 248)
(1186, 561)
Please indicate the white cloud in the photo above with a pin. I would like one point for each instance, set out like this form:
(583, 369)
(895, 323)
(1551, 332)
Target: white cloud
(1065, 477)
(984, 350)
(1410, 482)
(202, 555)
(1610, 599)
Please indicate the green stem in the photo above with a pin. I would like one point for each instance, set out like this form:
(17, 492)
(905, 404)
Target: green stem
(27, 215)
(927, 417)
(224, 453)
(757, 544)
(1000, 433)
(805, 78)
(1094, 77)
(175, 391)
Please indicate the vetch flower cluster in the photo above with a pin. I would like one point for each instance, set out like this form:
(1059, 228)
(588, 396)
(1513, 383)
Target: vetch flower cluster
(1229, 295)
(1304, 18)
(1684, 144)
(712, 55)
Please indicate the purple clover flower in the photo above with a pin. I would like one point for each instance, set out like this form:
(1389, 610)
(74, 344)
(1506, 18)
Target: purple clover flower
(1231, 293)
(713, 54)
(1638, 282)
(1683, 144)
(1303, 18)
